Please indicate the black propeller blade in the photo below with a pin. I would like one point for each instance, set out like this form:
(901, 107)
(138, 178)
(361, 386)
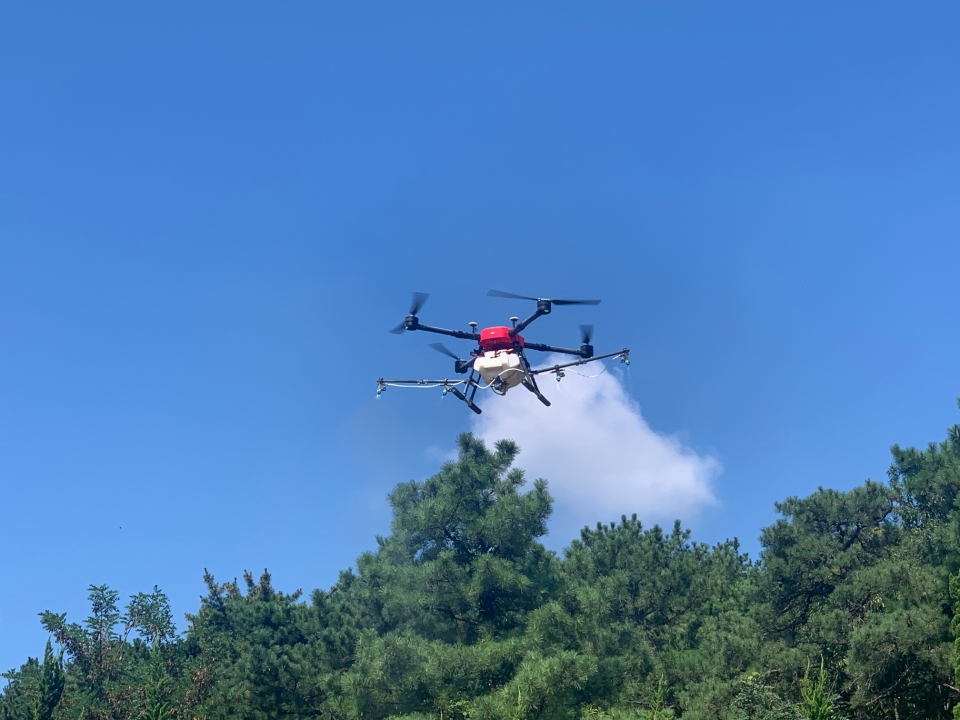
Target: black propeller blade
(575, 302)
(502, 294)
(586, 334)
(416, 302)
(443, 349)
(460, 366)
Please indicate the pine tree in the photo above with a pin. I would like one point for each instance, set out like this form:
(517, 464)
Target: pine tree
(462, 614)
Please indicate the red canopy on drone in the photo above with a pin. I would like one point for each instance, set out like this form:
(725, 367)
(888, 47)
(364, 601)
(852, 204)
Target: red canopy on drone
(498, 338)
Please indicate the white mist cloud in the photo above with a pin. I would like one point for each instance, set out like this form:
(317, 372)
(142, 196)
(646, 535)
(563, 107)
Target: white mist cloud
(600, 456)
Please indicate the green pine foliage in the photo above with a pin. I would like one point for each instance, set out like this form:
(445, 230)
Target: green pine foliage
(34, 692)
(852, 611)
(816, 700)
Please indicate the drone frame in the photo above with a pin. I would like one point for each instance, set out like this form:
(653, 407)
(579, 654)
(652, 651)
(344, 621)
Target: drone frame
(466, 389)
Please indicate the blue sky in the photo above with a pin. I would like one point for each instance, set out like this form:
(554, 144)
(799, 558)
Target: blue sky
(210, 216)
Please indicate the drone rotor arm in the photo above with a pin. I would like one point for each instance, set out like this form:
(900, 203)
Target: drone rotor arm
(623, 354)
(541, 347)
(460, 334)
(520, 326)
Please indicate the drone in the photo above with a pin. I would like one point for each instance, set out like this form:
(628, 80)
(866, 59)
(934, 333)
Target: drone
(499, 361)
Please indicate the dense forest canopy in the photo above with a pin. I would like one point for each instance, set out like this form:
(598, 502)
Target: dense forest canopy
(461, 613)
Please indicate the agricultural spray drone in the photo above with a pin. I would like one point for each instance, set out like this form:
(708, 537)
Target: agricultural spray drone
(499, 360)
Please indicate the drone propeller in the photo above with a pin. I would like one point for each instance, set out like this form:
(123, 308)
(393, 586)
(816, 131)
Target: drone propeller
(460, 366)
(443, 349)
(416, 302)
(513, 296)
(586, 337)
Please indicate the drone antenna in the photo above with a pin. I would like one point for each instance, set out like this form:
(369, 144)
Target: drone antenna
(514, 321)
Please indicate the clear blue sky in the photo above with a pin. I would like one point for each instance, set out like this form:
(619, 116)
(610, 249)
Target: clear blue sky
(210, 216)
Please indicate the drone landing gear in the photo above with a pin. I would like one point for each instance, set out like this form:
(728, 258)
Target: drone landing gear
(530, 382)
(532, 387)
(460, 396)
